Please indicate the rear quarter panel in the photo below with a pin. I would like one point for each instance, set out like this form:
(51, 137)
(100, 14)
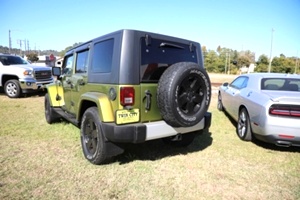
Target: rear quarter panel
(255, 102)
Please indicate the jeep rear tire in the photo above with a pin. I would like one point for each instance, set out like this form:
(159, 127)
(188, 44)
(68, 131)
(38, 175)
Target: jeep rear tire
(183, 94)
(12, 88)
(92, 139)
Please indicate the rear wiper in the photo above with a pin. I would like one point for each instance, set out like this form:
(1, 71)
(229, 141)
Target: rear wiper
(164, 44)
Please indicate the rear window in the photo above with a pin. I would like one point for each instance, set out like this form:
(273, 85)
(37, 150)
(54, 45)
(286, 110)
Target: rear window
(280, 84)
(158, 55)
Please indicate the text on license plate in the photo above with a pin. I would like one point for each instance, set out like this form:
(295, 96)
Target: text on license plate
(127, 116)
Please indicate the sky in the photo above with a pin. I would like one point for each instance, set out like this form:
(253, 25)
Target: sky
(235, 24)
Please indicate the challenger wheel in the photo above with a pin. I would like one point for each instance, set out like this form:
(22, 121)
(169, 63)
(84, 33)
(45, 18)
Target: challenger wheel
(243, 126)
(220, 104)
(183, 94)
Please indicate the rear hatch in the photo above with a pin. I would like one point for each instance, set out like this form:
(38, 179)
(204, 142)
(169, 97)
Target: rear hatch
(156, 56)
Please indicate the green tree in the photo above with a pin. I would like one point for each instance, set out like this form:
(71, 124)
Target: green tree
(210, 61)
(63, 52)
(33, 57)
(282, 64)
(262, 64)
(204, 51)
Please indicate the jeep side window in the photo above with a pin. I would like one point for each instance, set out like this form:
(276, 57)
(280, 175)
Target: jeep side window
(67, 68)
(102, 56)
(82, 61)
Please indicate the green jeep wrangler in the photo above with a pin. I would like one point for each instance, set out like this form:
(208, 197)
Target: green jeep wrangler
(130, 87)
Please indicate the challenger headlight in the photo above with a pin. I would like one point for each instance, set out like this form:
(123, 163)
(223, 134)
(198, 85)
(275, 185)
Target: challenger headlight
(27, 72)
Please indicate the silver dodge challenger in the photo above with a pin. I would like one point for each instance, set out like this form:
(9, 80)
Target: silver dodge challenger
(265, 106)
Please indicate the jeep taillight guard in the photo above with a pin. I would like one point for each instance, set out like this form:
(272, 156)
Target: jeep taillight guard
(127, 96)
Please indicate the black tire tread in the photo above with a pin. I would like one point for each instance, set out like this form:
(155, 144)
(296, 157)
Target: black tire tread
(101, 154)
(165, 101)
(51, 116)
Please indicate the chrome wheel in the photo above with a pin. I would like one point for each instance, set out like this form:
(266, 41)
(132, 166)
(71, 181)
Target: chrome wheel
(12, 88)
(220, 105)
(243, 126)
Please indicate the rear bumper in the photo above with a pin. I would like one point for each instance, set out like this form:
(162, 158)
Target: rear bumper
(141, 132)
(279, 140)
(282, 131)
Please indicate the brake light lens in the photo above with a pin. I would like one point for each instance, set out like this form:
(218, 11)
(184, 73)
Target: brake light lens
(127, 96)
(285, 110)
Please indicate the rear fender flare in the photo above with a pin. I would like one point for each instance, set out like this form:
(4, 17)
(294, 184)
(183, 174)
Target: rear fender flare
(101, 101)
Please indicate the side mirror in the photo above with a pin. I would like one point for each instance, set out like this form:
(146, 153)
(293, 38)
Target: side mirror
(56, 71)
(225, 84)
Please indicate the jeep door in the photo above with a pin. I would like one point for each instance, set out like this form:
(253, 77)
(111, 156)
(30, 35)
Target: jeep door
(67, 71)
(77, 81)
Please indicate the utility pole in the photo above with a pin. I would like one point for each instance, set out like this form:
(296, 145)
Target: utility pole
(226, 62)
(26, 50)
(9, 42)
(270, 62)
(20, 42)
(296, 66)
(229, 63)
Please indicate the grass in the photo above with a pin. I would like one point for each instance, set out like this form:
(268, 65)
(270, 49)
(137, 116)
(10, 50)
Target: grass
(41, 161)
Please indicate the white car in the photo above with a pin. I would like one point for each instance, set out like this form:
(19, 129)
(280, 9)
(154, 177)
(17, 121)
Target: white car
(264, 105)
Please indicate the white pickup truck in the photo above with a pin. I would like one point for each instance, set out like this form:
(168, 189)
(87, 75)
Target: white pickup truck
(17, 76)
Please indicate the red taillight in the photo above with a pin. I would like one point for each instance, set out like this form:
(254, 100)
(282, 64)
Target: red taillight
(127, 96)
(285, 110)
(286, 136)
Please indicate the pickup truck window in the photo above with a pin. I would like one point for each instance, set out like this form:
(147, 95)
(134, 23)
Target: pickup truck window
(12, 60)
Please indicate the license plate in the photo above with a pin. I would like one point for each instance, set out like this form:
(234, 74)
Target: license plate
(127, 116)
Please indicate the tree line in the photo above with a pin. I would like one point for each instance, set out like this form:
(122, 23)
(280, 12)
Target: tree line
(229, 61)
(221, 60)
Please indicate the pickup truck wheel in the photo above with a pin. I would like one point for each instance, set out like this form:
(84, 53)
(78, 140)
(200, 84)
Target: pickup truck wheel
(50, 114)
(183, 94)
(186, 140)
(92, 139)
(12, 88)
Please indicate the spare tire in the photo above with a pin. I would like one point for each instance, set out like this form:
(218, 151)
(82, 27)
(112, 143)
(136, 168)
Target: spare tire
(183, 94)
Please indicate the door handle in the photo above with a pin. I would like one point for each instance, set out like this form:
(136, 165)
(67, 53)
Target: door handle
(68, 81)
(81, 82)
